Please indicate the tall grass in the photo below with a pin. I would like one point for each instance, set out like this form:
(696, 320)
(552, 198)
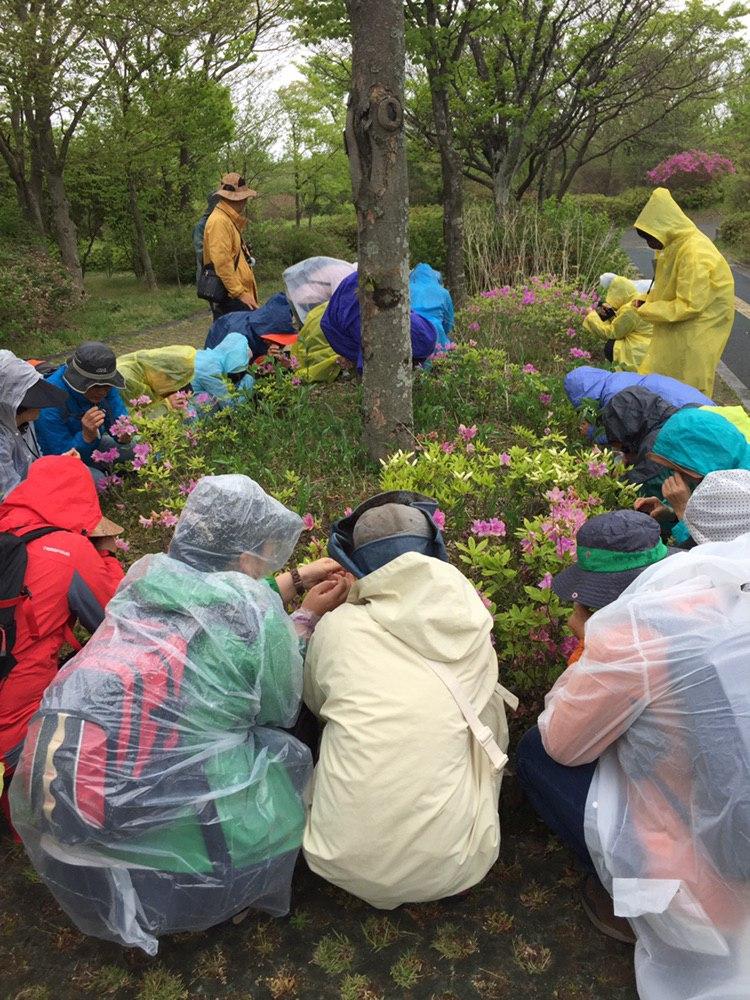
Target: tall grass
(560, 239)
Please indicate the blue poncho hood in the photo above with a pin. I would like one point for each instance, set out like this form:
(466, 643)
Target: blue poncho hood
(232, 354)
(702, 442)
(342, 329)
(432, 301)
(274, 316)
(601, 385)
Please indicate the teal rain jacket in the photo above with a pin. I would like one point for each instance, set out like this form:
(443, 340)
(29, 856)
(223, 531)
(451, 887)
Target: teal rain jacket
(431, 300)
(701, 441)
(230, 355)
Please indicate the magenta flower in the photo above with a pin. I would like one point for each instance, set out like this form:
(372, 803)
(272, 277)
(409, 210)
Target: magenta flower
(123, 427)
(146, 522)
(505, 458)
(293, 363)
(168, 519)
(546, 582)
(467, 433)
(484, 599)
(577, 352)
(544, 398)
(448, 447)
(571, 331)
(143, 400)
(296, 381)
(308, 522)
(187, 488)
(528, 298)
(597, 469)
(470, 449)
(494, 528)
(439, 518)
(203, 398)
(529, 369)
(473, 327)
(348, 512)
(122, 545)
(568, 645)
(111, 455)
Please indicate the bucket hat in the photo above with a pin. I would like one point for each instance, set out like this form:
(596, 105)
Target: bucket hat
(93, 364)
(41, 394)
(612, 550)
(106, 529)
(234, 188)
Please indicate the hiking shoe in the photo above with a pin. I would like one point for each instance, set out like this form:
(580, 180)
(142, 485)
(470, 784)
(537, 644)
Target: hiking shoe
(598, 907)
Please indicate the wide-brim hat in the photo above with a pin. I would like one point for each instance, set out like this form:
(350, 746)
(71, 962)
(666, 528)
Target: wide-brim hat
(612, 550)
(93, 364)
(106, 529)
(234, 188)
(42, 394)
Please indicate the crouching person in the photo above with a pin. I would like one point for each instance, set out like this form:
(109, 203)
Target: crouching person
(405, 795)
(157, 791)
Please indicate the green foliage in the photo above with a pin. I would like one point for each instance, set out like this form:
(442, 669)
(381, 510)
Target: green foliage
(735, 233)
(621, 209)
(426, 236)
(408, 970)
(334, 953)
(34, 289)
(159, 984)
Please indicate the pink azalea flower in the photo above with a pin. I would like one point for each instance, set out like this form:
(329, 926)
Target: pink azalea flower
(494, 528)
(529, 369)
(187, 488)
(308, 522)
(122, 545)
(597, 469)
(142, 449)
(293, 363)
(146, 522)
(448, 447)
(111, 455)
(571, 331)
(568, 645)
(470, 449)
(472, 343)
(473, 327)
(467, 433)
(484, 599)
(296, 381)
(143, 400)
(577, 352)
(505, 458)
(546, 582)
(439, 518)
(545, 399)
(348, 512)
(528, 298)
(168, 519)
(203, 398)
(123, 427)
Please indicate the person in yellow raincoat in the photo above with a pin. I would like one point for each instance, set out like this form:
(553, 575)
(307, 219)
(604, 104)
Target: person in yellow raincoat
(318, 362)
(157, 373)
(621, 325)
(691, 303)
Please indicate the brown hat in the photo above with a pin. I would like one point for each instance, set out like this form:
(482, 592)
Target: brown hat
(234, 188)
(106, 529)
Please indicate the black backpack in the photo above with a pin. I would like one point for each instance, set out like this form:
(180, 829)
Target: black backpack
(13, 592)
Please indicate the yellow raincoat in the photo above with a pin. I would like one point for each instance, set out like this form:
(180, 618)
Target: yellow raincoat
(736, 415)
(691, 304)
(318, 360)
(157, 372)
(222, 247)
(630, 332)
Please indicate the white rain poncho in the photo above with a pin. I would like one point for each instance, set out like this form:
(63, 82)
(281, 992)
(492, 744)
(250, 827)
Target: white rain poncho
(642, 284)
(313, 281)
(17, 451)
(719, 508)
(154, 793)
(661, 697)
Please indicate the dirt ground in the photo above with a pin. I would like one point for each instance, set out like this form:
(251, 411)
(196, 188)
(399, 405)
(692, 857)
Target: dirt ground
(520, 934)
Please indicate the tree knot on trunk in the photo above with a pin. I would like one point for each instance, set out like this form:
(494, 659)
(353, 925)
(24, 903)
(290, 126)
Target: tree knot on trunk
(386, 298)
(390, 114)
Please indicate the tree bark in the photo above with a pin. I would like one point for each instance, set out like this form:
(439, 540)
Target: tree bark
(141, 247)
(66, 235)
(377, 163)
(451, 167)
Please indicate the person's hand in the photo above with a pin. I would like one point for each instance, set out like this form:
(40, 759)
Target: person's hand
(105, 543)
(651, 506)
(249, 300)
(328, 595)
(677, 492)
(91, 421)
(321, 569)
(73, 452)
(605, 312)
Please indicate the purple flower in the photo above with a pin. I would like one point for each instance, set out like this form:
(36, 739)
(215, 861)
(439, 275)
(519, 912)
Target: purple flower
(467, 433)
(568, 645)
(529, 369)
(505, 458)
(470, 449)
(187, 488)
(546, 582)
(145, 522)
(474, 327)
(123, 427)
(111, 455)
(168, 519)
(142, 449)
(577, 352)
(296, 381)
(494, 528)
(597, 469)
(122, 545)
(571, 331)
(293, 363)
(544, 398)
(448, 447)
(143, 400)
(308, 522)
(203, 398)
(528, 298)
(484, 599)
(439, 518)
(348, 512)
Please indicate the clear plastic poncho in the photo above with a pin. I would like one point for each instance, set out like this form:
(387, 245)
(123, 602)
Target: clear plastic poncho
(661, 697)
(156, 792)
(313, 281)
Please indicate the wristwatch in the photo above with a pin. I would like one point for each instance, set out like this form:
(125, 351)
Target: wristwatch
(297, 580)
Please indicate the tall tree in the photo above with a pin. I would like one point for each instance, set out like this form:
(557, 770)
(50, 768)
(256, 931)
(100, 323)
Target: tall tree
(377, 161)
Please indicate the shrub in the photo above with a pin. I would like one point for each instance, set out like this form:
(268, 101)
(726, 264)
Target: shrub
(561, 238)
(426, 241)
(691, 169)
(621, 209)
(35, 289)
(735, 232)
(172, 253)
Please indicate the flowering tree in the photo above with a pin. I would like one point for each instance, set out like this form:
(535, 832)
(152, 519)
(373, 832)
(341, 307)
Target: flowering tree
(692, 168)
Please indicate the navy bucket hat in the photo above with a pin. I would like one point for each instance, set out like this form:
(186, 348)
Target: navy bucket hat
(371, 556)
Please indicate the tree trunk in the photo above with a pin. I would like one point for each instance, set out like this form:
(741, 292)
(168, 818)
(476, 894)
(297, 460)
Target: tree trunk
(453, 197)
(377, 163)
(141, 247)
(25, 195)
(66, 236)
(185, 165)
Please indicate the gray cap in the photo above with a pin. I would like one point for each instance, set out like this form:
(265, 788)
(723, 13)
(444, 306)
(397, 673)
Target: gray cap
(390, 520)
(93, 364)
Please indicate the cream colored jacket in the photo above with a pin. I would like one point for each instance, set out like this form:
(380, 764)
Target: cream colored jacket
(405, 801)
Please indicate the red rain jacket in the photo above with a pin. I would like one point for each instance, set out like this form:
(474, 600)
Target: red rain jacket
(68, 577)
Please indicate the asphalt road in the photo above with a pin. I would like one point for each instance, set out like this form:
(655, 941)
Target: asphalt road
(737, 352)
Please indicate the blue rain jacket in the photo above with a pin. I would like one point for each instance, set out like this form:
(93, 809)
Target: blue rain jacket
(342, 328)
(231, 355)
(432, 301)
(274, 316)
(59, 430)
(702, 442)
(598, 384)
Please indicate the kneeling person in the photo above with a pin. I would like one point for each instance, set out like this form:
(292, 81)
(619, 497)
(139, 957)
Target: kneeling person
(405, 798)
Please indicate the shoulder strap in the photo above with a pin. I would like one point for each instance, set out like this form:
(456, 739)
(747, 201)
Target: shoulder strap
(481, 733)
(31, 536)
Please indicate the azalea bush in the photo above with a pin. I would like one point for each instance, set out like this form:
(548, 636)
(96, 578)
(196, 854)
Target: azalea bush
(693, 168)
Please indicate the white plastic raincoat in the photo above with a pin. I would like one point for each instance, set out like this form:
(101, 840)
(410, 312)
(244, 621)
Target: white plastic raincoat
(630, 332)
(17, 449)
(404, 804)
(313, 281)
(691, 304)
(154, 793)
(661, 698)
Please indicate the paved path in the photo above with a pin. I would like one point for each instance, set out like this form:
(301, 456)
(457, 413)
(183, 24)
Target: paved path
(735, 365)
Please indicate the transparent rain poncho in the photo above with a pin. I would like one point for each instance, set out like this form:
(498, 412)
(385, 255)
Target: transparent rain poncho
(313, 281)
(156, 792)
(16, 378)
(661, 698)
